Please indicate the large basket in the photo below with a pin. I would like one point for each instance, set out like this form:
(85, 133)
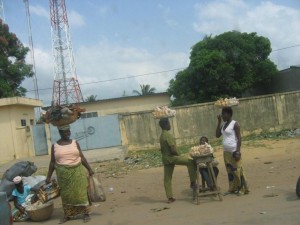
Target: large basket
(203, 158)
(60, 120)
(42, 211)
(63, 122)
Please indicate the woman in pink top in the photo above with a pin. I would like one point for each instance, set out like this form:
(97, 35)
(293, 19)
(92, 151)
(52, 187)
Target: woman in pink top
(70, 164)
(232, 140)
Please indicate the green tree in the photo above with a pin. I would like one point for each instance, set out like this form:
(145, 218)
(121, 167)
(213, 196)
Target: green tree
(226, 65)
(145, 90)
(91, 98)
(13, 69)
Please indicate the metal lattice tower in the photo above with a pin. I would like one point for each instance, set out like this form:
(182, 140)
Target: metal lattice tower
(35, 84)
(66, 88)
(2, 17)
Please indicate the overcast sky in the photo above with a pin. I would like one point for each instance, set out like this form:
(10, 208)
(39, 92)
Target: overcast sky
(123, 38)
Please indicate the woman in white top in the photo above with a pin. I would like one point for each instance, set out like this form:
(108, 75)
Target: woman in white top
(232, 141)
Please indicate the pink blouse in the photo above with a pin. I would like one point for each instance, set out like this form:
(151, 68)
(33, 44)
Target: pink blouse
(67, 154)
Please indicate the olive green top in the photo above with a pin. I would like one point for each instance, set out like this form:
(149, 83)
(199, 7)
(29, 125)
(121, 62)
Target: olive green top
(166, 141)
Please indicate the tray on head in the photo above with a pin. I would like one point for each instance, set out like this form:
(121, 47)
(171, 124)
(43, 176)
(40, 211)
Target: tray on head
(162, 117)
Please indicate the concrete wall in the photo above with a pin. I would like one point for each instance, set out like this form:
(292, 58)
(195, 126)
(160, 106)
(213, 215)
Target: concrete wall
(269, 112)
(127, 104)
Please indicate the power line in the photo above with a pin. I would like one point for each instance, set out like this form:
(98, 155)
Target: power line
(120, 78)
(147, 74)
(292, 46)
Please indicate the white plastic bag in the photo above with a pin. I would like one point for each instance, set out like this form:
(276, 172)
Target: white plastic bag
(95, 189)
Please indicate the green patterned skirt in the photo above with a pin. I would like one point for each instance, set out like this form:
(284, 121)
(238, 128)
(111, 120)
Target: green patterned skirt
(73, 183)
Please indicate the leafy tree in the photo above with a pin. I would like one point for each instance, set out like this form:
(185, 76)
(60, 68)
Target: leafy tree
(222, 66)
(145, 90)
(13, 69)
(91, 98)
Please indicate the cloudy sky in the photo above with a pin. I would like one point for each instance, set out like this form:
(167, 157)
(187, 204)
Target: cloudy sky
(127, 38)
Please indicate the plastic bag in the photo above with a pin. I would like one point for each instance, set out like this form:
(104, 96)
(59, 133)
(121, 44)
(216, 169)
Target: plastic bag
(7, 186)
(95, 189)
(22, 168)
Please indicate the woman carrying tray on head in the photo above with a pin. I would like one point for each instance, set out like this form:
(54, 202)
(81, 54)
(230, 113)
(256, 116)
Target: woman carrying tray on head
(69, 162)
(230, 130)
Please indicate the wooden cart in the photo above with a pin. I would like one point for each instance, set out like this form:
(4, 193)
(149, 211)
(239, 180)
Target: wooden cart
(199, 191)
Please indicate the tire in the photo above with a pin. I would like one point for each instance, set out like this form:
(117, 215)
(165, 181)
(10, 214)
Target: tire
(298, 188)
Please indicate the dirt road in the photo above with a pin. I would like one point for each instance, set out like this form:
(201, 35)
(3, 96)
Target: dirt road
(138, 198)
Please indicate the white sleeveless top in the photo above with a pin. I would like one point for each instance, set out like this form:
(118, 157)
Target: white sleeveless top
(229, 137)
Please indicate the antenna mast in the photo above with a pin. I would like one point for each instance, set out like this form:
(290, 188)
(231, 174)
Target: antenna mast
(2, 17)
(35, 84)
(66, 88)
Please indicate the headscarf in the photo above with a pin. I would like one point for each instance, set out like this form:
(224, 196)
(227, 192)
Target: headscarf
(64, 127)
(17, 180)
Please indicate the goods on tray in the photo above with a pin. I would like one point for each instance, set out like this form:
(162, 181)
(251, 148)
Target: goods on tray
(63, 115)
(48, 191)
(40, 211)
(201, 150)
(223, 102)
(163, 112)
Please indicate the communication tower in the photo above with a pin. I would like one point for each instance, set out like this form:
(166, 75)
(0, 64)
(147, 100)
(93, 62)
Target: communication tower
(66, 88)
(35, 84)
(2, 17)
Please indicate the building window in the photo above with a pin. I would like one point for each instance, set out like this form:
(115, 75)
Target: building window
(31, 122)
(23, 123)
(89, 115)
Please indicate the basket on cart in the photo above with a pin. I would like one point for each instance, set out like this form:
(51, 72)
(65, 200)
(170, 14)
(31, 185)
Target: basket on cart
(203, 158)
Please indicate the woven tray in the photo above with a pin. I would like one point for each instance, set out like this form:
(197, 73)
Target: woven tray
(229, 105)
(203, 158)
(163, 117)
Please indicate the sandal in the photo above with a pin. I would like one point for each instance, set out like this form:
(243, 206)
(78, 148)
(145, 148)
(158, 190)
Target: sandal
(63, 220)
(86, 218)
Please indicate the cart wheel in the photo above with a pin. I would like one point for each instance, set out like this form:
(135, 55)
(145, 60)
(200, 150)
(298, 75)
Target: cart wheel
(298, 188)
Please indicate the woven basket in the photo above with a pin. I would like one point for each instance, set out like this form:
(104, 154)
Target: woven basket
(76, 112)
(43, 212)
(75, 116)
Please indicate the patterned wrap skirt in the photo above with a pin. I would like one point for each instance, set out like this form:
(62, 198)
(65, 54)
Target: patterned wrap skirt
(73, 183)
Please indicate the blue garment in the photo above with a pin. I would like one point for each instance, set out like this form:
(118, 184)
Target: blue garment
(21, 197)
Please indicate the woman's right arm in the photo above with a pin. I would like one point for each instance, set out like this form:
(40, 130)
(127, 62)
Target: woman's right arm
(51, 165)
(218, 130)
(18, 206)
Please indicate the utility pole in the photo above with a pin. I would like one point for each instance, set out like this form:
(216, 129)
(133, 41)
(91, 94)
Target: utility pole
(66, 88)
